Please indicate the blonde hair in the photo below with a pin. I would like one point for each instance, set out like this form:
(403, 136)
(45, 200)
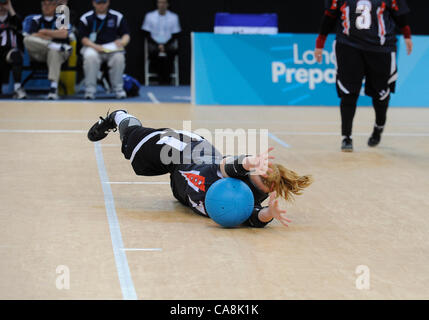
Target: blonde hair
(285, 182)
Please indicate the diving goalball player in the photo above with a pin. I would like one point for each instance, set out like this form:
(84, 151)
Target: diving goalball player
(365, 48)
(197, 165)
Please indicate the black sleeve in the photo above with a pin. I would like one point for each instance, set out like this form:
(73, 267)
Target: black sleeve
(83, 30)
(401, 21)
(16, 22)
(123, 28)
(254, 221)
(399, 7)
(327, 24)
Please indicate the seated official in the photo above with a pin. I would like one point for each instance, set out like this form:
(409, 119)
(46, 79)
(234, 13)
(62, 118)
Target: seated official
(105, 34)
(161, 28)
(46, 43)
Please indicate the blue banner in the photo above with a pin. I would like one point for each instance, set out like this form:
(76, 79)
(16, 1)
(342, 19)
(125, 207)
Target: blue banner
(281, 70)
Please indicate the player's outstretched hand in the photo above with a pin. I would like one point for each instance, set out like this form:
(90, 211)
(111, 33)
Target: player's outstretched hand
(276, 212)
(409, 45)
(259, 164)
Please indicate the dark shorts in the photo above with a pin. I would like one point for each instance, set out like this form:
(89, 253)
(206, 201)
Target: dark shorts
(139, 145)
(378, 69)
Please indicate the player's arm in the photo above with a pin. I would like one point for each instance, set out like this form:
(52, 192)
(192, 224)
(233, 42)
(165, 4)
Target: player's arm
(261, 216)
(402, 22)
(273, 211)
(329, 20)
(55, 34)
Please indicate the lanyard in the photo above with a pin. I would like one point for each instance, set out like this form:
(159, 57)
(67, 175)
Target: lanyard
(94, 26)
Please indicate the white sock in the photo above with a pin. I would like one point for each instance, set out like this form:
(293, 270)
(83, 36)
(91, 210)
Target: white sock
(121, 115)
(347, 137)
(54, 85)
(16, 86)
(55, 46)
(379, 127)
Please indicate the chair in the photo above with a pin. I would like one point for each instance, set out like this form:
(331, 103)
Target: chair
(148, 75)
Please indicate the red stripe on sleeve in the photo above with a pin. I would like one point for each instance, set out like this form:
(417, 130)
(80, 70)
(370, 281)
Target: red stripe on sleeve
(406, 31)
(320, 41)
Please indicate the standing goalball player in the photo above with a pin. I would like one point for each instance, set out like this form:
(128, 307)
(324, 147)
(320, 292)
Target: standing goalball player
(365, 49)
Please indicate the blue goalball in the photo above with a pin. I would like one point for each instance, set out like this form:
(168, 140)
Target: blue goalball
(229, 202)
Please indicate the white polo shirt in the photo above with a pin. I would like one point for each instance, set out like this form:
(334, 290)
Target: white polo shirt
(161, 27)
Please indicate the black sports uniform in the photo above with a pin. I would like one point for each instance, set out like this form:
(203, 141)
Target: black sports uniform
(194, 170)
(365, 49)
(11, 47)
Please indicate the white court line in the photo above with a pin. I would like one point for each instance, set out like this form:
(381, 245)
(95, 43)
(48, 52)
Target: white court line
(142, 249)
(336, 123)
(147, 182)
(125, 280)
(279, 141)
(152, 97)
(286, 133)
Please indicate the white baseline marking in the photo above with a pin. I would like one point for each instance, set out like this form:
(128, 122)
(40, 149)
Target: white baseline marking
(286, 133)
(152, 97)
(125, 280)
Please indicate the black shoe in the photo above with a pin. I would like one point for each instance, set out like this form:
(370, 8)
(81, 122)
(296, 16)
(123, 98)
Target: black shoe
(102, 128)
(347, 145)
(375, 138)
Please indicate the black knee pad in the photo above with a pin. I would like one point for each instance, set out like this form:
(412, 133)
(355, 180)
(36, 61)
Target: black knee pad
(127, 123)
(14, 57)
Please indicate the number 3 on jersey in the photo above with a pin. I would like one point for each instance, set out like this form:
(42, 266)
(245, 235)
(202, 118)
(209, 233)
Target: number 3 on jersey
(363, 21)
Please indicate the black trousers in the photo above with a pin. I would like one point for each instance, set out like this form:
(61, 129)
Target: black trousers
(162, 64)
(378, 69)
(14, 64)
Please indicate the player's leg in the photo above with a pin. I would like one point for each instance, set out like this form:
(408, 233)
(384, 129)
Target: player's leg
(350, 73)
(381, 78)
(140, 144)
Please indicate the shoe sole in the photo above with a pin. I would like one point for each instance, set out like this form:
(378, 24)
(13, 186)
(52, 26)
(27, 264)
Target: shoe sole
(347, 150)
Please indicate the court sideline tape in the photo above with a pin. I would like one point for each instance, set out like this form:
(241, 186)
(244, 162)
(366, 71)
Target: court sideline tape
(125, 280)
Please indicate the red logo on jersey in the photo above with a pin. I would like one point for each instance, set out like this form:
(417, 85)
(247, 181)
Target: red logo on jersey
(194, 180)
(395, 5)
(334, 5)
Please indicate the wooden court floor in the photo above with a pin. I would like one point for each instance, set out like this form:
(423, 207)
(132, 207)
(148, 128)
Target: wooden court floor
(65, 201)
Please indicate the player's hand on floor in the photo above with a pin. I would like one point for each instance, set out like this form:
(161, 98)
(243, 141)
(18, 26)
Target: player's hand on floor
(275, 210)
